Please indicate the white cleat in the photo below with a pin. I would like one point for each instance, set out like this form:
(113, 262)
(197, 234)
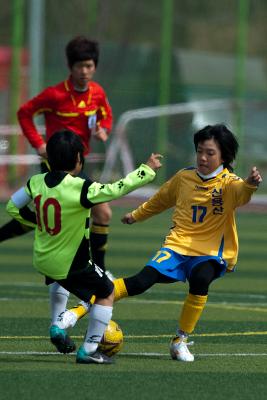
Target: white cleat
(69, 319)
(179, 350)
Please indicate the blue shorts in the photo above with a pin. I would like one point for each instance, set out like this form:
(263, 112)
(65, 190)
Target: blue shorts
(179, 267)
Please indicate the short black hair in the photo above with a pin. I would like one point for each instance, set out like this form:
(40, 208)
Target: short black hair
(62, 150)
(81, 49)
(224, 137)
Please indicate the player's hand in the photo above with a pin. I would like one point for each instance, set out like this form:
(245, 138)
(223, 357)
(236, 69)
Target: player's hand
(100, 134)
(254, 177)
(128, 219)
(42, 151)
(154, 161)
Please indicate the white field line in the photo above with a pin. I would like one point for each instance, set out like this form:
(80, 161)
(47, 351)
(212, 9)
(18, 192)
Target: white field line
(46, 353)
(166, 335)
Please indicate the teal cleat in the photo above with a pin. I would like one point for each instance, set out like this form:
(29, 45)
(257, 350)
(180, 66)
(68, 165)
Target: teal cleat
(94, 358)
(61, 340)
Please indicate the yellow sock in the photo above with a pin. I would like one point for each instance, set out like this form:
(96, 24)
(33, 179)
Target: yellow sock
(100, 229)
(81, 309)
(191, 312)
(119, 289)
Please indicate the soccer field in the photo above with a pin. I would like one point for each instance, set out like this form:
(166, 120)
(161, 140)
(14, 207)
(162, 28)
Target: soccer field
(230, 340)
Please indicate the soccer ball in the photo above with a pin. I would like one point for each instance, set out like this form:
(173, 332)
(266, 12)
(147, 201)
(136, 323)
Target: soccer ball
(112, 340)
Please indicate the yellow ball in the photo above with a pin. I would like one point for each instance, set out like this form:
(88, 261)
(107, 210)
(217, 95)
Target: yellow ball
(112, 339)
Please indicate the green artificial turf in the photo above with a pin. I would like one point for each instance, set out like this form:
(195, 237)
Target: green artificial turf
(230, 341)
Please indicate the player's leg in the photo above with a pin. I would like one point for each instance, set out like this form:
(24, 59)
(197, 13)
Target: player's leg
(94, 280)
(101, 216)
(156, 271)
(201, 277)
(100, 314)
(136, 284)
(123, 287)
(58, 303)
(99, 317)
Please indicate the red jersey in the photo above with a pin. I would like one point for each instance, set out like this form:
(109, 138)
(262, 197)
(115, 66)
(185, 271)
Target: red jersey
(64, 107)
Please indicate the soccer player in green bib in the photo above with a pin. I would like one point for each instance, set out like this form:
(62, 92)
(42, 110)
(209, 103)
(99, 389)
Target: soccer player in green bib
(202, 244)
(62, 200)
(80, 104)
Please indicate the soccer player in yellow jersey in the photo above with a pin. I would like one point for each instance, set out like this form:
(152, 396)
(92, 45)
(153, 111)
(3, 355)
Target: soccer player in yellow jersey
(202, 244)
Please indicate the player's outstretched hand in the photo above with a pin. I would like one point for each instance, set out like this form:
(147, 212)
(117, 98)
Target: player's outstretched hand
(154, 161)
(254, 177)
(128, 219)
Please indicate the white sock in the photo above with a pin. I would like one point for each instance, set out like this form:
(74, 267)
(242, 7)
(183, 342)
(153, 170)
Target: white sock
(58, 303)
(99, 318)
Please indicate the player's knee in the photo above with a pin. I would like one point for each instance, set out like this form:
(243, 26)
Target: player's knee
(201, 277)
(110, 298)
(107, 301)
(199, 285)
(135, 286)
(56, 289)
(102, 215)
(140, 282)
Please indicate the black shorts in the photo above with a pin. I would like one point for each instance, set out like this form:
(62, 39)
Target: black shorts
(87, 282)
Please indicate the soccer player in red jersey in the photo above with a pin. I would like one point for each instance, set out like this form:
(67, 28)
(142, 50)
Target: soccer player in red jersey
(81, 105)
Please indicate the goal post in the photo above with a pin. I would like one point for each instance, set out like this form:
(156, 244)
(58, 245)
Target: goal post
(120, 149)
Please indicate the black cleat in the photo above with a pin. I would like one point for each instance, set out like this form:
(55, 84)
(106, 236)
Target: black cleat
(61, 340)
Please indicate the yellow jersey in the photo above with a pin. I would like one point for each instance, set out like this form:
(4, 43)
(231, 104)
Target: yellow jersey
(204, 213)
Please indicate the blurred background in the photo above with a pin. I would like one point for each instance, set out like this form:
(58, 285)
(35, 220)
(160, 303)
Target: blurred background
(169, 67)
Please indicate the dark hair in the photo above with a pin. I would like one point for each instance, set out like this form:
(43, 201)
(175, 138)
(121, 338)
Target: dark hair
(62, 149)
(81, 49)
(224, 137)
